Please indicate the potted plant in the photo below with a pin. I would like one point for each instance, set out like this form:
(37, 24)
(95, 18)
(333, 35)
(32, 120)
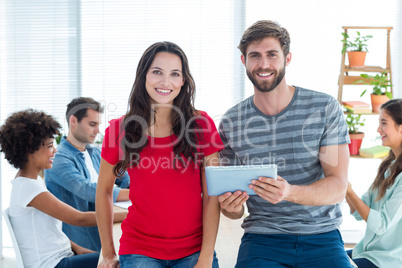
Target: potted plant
(354, 122)
(357, 49)
(381, 89)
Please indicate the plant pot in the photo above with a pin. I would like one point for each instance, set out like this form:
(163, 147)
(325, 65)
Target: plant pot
(357, 58)
(355, 143)
(377, 101)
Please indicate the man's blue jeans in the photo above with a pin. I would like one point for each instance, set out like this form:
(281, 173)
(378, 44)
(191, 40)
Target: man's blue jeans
(141, 261)
(279, 250)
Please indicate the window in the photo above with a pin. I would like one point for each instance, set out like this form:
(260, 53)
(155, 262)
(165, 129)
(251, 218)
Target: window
(114, 35)
(54, 51)
(37, 65)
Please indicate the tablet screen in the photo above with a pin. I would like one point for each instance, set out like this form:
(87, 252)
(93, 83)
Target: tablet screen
(222, 179)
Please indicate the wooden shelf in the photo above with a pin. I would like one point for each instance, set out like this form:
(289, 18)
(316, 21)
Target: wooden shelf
(361, 157)
(371, 69)
(346, 79)
(362, 113)
(368, 27)
(357, 79)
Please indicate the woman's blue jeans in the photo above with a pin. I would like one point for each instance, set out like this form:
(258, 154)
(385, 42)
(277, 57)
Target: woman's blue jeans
(361, 262)
(141, 261)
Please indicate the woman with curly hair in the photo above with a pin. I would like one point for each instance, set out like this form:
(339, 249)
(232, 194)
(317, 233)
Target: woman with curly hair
(381, 205)
(164, 143)
(26, 139)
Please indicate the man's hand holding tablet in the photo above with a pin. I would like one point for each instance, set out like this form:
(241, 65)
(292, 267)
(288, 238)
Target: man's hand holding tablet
(234, 184)
(272, 190)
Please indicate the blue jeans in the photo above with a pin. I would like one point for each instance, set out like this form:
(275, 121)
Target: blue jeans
(80, 261)
(279, 250)
(361, 262)
(141, 261)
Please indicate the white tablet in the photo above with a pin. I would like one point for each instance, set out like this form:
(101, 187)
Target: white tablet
(222, 179)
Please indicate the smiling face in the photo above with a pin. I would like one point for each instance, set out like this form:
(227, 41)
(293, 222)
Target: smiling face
(391, 133)
(164, 78)
(265, 64)
(43, 158)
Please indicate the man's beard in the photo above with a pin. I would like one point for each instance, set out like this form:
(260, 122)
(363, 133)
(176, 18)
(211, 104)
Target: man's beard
(83, 139)
(266, 86)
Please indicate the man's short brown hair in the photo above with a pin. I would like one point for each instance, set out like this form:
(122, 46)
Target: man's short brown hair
(79, 107)
(263, 29)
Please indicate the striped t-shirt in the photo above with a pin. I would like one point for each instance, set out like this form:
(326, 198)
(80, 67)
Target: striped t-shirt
(290, 139)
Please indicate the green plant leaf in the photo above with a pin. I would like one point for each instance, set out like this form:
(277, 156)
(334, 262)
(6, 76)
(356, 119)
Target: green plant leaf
(348, 110)
(380, 82)
(358, 44)
(58, 138)
(354, 122)
(388, 94)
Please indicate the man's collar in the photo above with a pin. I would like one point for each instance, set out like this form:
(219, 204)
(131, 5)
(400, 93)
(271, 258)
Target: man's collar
(67, 144)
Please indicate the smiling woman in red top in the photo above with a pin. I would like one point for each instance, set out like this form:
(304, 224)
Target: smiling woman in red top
(164, 143)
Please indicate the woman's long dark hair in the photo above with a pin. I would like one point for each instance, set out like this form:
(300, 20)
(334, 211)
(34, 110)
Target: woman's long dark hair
(137, 119)
(394, 109)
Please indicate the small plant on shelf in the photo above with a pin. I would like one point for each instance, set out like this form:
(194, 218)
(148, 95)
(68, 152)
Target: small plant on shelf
(380, 82)
(381, 91)
(358, 44)
(354, 122)
(58, 138)
(357, 49)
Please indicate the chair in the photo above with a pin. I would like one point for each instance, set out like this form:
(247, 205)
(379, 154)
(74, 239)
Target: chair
(18, 256)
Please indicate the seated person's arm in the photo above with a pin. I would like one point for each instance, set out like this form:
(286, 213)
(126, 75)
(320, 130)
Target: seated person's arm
(379, 220)
(355, 203)
(52, 206)
(123, 181)
(119, 216)
(78, 250)
(123, 195)
(65, 174)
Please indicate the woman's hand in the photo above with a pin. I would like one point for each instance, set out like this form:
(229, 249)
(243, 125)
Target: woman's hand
(109, 263)
(203, 264)
(232, 204)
